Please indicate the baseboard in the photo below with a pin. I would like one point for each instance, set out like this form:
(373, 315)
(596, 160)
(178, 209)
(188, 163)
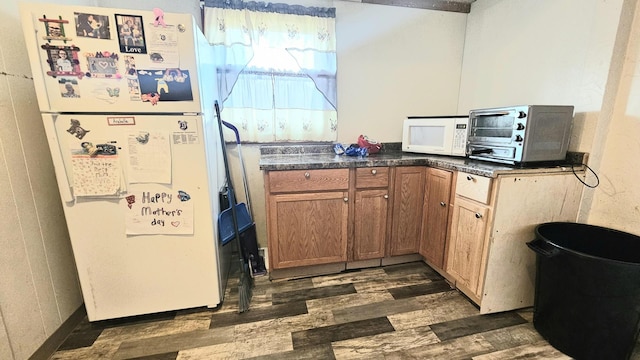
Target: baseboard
(361, 264)
(306, 271)
(56, 339)
(401, 259)
(334, 268)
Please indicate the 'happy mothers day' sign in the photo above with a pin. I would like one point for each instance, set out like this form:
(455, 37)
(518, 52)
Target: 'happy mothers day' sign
(154, 209)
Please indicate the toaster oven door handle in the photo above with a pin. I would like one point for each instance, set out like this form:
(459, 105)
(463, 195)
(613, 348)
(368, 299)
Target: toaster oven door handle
(493, 114)
(481, 151)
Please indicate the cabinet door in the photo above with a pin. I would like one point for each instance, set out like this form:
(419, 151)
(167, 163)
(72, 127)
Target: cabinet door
(468, 225)
(308, 229)
(435, 217)
(370, 224)
(408, 201)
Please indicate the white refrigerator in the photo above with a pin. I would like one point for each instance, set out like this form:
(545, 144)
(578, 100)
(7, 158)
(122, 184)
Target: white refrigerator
(126, 98)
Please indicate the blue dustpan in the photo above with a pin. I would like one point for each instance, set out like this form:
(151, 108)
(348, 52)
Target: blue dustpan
(225, 222)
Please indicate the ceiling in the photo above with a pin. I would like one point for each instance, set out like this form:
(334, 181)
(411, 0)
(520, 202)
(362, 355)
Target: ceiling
(463, 6)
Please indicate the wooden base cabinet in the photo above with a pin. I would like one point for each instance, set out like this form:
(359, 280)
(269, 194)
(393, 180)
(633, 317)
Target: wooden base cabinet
(408, 202)
(492, 221)
(331, 216)
(309, 229)
(307, 214)
(466, 247)
(371, 213)
(435, 220)
(324, 216)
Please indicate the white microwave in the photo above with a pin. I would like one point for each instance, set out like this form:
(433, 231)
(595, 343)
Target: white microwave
(441, 135)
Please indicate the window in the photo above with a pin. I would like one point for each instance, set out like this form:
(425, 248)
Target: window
(276, 67)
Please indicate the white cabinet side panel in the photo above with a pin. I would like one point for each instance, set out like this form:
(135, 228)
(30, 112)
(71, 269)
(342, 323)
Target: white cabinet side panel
(523, 203)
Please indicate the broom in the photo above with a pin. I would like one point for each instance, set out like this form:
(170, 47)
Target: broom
(245, 283)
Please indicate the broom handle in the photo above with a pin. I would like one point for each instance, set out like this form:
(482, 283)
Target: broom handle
(232, 198)
(222, 145)
(242, 168)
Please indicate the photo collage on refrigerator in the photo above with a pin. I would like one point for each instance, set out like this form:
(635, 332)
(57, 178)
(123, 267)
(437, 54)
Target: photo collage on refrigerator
(107, 65)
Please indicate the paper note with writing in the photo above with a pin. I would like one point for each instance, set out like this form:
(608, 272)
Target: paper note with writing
(95, 175)
(185, 138)
(149, 157)
(163, 47)
(153, 209)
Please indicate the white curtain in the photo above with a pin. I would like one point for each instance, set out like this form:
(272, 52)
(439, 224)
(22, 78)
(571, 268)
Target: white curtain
(276, 67)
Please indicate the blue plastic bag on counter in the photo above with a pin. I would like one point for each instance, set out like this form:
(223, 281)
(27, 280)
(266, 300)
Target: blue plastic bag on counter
(355, 150)
(352, 150)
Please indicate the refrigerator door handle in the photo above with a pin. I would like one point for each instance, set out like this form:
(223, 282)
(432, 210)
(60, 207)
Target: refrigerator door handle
(56, 156)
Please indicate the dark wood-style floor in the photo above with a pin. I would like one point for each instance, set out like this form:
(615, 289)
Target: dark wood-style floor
(402, 311)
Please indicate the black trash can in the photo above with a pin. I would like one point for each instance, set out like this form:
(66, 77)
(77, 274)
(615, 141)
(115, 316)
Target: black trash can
(587, 293)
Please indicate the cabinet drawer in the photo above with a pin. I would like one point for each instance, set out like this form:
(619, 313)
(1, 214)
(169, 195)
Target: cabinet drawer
(308, 180)
(474, 187)
(372, 177)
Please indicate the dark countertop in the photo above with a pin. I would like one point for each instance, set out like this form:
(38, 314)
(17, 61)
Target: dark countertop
(303, 157)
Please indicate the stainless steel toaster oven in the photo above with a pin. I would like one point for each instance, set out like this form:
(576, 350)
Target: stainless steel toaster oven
(520, 134)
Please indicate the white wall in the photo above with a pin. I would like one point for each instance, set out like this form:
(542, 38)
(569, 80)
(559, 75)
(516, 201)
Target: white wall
(38, 284)
(540, 52)
(394, 62)
(616, 202)
(39, 289)
(566, 52)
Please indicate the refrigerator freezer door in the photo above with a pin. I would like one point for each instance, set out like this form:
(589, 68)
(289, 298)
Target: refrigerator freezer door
(140, 247)
(126, 64)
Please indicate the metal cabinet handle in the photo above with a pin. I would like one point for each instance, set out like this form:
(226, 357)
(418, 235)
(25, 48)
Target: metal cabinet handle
(478, 215)
(374, 171)
(386, 196)
(469, 177)
(345, 199)
(442, 203)
(307, 175)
